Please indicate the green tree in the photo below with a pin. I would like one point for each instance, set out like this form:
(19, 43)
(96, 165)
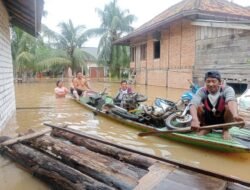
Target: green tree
(23, 47)
(114, 24)
(70, 40)
(29, 54)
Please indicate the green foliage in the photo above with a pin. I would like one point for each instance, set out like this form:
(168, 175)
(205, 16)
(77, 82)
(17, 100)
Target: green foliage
(70, 40)
(51, 51)
(57, 51)
(120, 60)
(114, 24)
(23, 48)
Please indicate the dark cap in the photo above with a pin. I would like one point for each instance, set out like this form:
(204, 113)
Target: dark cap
(213, 74)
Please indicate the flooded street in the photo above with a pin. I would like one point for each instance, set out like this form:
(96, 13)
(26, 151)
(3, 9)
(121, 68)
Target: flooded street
(37, 104)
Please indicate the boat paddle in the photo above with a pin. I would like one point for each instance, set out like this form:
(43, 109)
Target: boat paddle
(189, 129)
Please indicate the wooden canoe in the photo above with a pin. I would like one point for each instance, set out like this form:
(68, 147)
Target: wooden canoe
(239, 143)
(69, 159)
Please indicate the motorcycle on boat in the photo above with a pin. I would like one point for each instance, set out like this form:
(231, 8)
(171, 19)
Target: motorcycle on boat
(163, 112)
(166, 113)
(182, 117)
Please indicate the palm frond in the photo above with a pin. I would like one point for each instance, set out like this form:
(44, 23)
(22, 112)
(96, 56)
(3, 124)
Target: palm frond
(52, 61)
(25, 57)
(114, 24)
(95, 32)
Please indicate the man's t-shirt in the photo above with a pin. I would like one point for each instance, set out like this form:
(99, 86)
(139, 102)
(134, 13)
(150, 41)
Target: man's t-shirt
(227, 92)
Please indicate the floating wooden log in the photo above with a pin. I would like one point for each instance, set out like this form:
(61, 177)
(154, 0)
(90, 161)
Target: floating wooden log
(103, 168)
(57, 174)
(117, 153)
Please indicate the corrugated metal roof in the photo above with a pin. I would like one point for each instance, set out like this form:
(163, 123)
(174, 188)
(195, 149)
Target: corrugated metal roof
(26, 14)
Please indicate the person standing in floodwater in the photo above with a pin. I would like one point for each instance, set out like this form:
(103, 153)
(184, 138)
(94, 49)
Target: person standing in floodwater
(60, 90)
(80, 85)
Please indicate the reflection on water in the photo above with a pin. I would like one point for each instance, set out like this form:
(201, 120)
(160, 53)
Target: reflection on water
(36, 104)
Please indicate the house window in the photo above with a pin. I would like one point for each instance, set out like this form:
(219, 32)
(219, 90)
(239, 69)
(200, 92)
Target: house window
(157, 49)
(143, 52)
(132, 54)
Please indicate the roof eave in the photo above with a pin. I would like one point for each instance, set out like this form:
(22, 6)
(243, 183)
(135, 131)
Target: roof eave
(27, 19)
(126, 40)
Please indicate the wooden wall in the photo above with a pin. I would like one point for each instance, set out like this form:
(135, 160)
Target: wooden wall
(225, 50)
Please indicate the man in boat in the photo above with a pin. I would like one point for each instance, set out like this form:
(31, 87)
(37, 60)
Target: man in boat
(124, 89)
(213, 104)
(80, 85)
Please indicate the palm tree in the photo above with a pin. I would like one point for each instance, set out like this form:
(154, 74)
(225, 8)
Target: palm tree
(70, 40)
(59, 51)
(29, 54)
(114, 23)
(23, 47)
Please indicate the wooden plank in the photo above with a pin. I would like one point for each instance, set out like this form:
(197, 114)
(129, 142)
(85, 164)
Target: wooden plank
(157, 172)
(202, 33)
(162, 176)
(236, 186)
(196, 180)
(210, 32)
(222, 25)
(214, 33)
(174, 185)
(25, 137)
(198, 33)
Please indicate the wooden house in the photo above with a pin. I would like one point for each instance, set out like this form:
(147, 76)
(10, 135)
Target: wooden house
(190, 38)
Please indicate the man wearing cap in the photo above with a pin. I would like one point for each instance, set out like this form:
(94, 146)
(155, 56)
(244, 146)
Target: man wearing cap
(213, 104)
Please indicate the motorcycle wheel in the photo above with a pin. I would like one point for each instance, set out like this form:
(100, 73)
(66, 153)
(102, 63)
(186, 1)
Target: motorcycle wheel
(174, 121)
(125, 115)
(141, 98)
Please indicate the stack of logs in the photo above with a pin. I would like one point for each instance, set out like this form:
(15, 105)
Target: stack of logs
(66, 160)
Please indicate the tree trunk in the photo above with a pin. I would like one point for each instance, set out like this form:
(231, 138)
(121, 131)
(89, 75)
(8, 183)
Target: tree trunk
(103, 168)
(57, 174)
(119, 154)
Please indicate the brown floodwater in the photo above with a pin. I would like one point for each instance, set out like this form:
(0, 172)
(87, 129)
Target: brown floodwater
(46, 108)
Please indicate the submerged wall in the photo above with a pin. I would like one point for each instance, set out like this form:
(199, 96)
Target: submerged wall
(7, 93)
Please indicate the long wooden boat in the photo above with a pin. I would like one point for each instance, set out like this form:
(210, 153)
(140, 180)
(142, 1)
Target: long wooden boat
(68, 159)
(240, 141)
